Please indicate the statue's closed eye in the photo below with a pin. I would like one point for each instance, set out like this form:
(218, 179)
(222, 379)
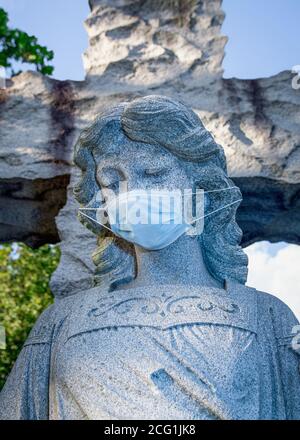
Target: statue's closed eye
(113, 185)
(158, 171)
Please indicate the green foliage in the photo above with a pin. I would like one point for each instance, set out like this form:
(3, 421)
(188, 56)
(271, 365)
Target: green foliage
(24, 294)
(19, 46)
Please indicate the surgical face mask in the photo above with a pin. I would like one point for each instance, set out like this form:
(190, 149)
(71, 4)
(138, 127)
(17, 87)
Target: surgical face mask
(153, 219)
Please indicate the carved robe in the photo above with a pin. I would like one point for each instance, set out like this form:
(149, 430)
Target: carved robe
(169, 352)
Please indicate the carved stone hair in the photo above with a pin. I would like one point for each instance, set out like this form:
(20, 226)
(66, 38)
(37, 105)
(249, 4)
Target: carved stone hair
(171, 125)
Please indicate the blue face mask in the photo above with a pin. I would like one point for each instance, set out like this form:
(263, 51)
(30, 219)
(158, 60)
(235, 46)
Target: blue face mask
(151, 219)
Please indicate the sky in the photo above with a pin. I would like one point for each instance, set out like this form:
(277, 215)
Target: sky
(263, 37)
(263, 40)
(58, 24)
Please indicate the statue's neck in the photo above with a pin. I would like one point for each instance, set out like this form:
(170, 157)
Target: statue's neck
(180, 263)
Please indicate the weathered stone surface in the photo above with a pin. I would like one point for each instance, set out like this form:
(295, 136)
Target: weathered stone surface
(28, 208)
(133, 52)
(257, 122)
(142, 44)
(36, 126)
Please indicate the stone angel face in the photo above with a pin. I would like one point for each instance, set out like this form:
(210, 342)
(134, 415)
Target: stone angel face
(156, 143)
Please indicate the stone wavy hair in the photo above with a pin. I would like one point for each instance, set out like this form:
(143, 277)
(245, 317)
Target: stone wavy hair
(171, 125)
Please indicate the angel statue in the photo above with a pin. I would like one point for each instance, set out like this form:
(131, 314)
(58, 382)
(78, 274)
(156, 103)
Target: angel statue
(170, 331)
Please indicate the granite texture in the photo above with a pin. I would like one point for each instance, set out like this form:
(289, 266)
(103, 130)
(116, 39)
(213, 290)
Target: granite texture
(167, 334)
(225, 355)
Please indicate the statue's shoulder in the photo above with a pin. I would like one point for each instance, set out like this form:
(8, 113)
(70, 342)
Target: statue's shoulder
(273, 313)
(274, 305)
(49, 321)
(63, 309)
(41, 333)
(266, 301)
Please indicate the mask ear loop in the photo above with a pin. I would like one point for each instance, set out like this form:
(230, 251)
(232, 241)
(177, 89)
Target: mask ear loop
(91, 218)
(219, 209)
(206, 215)
(218, 190)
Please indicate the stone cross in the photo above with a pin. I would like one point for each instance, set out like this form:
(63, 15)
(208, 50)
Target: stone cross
(136, 48)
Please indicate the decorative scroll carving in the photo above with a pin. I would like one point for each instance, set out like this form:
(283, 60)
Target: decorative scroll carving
(164, 305)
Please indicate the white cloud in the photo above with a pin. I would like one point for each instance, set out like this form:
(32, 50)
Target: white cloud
(276, 269)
